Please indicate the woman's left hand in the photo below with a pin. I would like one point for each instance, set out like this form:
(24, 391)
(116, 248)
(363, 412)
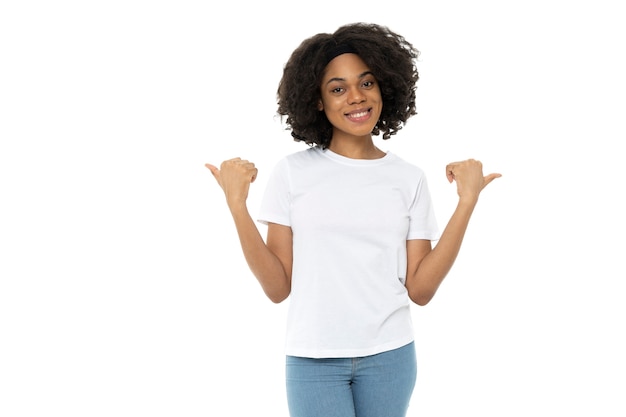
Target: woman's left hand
(469, 177)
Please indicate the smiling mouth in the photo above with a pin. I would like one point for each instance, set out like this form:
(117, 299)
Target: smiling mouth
(359, 115)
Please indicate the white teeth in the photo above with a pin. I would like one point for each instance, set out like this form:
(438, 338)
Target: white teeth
(356, 115)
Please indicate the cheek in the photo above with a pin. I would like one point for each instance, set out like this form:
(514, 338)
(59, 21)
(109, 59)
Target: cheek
(330, 103)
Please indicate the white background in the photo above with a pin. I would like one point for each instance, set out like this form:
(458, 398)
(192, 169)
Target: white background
(122, 288)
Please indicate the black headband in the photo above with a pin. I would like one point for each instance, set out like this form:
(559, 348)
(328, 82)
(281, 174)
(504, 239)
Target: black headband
(342, 48)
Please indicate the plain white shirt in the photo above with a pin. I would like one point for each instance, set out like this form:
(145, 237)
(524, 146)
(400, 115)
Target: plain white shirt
(350, 220)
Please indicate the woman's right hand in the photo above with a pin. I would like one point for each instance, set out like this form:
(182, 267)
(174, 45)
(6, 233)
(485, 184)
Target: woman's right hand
(234, 176)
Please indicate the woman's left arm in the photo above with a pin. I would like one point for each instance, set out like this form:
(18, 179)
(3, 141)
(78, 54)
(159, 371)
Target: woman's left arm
(426, 266)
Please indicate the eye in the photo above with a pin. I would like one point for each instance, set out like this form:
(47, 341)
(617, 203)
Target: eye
(336, 90)
(368, 84)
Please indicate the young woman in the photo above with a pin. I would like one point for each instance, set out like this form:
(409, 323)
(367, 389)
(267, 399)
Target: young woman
(349, 227)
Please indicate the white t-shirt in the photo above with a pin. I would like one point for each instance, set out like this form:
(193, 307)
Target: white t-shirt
(350, 219)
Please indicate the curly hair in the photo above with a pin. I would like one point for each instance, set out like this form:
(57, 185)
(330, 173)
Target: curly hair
(390, 57)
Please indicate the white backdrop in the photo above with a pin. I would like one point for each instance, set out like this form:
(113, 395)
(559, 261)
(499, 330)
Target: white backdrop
(122, 288)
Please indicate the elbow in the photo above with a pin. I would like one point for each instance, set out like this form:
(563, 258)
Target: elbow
(421, 301)
(277, 289)
(277, 299)
(421, 298)
(278, 296)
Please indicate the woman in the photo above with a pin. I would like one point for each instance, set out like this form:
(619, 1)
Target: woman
(349, 227)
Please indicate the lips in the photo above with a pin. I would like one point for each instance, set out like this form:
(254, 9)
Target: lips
(359, 115)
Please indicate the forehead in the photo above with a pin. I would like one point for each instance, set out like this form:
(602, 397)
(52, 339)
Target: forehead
(345, 66)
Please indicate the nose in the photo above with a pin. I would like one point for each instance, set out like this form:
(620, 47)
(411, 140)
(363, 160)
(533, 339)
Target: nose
(355, 96)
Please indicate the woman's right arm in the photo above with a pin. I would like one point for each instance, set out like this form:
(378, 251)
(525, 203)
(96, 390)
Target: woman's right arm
(269, 262)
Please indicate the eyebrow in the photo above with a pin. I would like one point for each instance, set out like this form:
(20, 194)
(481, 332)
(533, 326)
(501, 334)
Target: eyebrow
(363, 74)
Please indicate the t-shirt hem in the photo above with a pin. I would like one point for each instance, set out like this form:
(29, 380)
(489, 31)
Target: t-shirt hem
(347, 353)
(424, 235)
(266, 221)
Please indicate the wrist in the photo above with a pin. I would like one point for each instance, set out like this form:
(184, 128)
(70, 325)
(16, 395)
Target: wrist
(467, 201)
(237, 207)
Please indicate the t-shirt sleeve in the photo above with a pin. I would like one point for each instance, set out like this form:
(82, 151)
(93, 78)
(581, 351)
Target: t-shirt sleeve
(422, 220)
(275, 202)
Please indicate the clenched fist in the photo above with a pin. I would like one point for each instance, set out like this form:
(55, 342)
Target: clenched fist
(234, 176)
(469, 177)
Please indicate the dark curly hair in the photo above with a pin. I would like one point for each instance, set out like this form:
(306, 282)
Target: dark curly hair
(391, 59)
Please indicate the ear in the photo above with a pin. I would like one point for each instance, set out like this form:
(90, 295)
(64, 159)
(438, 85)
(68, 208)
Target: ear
(320, 105)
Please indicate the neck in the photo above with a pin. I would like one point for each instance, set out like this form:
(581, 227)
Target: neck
(355, 147)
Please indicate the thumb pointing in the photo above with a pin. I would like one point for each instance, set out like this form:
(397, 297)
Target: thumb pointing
(214, 170)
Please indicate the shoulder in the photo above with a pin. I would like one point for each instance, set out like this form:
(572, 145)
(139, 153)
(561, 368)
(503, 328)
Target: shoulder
(302, 158)
(405, 166)
(296, 162)
(307, 154)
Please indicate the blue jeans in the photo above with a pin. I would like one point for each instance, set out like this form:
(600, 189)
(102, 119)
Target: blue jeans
(380, 385)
